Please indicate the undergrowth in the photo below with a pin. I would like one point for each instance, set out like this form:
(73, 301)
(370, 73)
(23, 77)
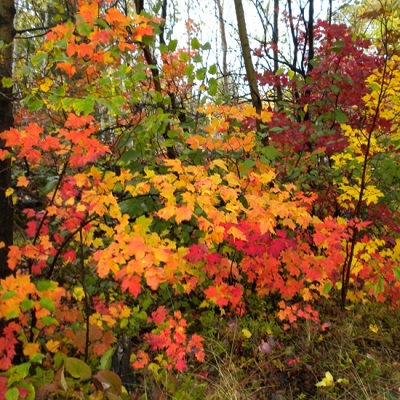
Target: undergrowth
(351, 356)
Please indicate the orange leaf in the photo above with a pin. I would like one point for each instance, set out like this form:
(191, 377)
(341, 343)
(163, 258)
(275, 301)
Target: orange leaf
(67, 67)
(89, 11)
(22, 181)
(14, 254)
(115, 17)
(183, 213)
(3, 154)
(167, 212)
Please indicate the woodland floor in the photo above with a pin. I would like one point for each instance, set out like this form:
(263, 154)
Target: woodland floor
(357, 357)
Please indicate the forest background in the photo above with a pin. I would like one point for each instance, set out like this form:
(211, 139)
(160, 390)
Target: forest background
(191, 213)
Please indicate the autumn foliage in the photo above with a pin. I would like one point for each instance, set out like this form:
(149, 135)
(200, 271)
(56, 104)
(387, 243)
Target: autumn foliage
(124, 243)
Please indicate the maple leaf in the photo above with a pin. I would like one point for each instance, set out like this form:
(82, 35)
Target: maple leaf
(89, 10)
(14, 255)
(68, 67)
(84, 50)
(132, 284)
(4, 154)
(115, 18)
(30, 349)
(52, 345)
(143, 30)
(78, 121)
(214, 294)
(141, 359)
(22, 181)
(159, 316)
(183, 213)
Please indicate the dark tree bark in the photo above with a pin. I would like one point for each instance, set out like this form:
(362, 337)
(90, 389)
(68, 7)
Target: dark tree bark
(310, 33)
(275, 39)
(246, 54)
(224, 46)
(7, 32)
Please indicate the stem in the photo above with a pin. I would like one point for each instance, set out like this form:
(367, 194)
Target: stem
(346, 270)
(87, 307)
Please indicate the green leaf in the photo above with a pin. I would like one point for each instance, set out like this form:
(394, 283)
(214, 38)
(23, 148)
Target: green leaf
(12, 314)
(201, 74)
(195, 44)
(183, 56)
(7, 82)
(340, 116)
(327, 288)
(396, 272)
(47, 320)
(276, 129)
(163, 48)
(335, 89)
(206, 46)
(27, 304)
(106, 360)
(337, 77)
(34, 102)
(37, 358)
(212, 87)
(376, 87)
(339, 43)
(189, 68)
(83, 105)
(197, 58)
(379, 287)
(172, 45)
(43, 285)
(29, 388)
(9, 294)
(84, 29)
(77, 368)
(271, 152)
(248, 163)
(12, 394)
(23, 369)
(38, 58)
(47, 303)
(212, 70)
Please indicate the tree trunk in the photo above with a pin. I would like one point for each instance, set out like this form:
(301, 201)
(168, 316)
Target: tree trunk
(7, 12)
(248, 63)
(224, 46)
(310, 32)
(275, 39)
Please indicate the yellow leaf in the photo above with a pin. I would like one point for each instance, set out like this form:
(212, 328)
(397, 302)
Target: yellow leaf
(9, 192)
(2, 244)
(167, 212)
(31, 349)
(246, 333)
(46, 85)
(327, 381)
(78, 293)
(52, 345)
(373, 328)
(7, 82)
(219, 163)
(149, 173)
(98, 242)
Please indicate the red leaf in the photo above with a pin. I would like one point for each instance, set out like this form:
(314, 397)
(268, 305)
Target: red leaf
(132, 284)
